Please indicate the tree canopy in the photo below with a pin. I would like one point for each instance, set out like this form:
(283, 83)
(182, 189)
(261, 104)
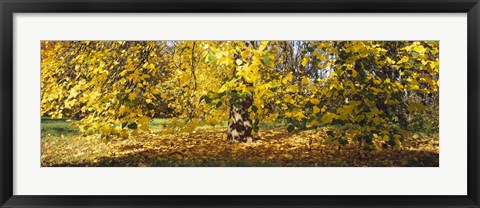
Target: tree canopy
(378, 92)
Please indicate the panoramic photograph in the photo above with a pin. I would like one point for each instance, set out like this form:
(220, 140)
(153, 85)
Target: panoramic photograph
(241, 103)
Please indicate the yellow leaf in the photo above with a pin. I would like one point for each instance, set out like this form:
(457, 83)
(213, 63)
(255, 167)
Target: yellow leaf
(415, 106)
(263, 45)
(245, 54)
(316, 109)
(419, 49)
(354, 73)
(315, 101)
(144, 119)
(305, 80)
(73, 93)
(144, 127)
(305, 61)
(403, 60)
(313, 123)
(107, 130)
(122, 109)
(163, 95)
(132, 96)
(324, 108)
(292, 88)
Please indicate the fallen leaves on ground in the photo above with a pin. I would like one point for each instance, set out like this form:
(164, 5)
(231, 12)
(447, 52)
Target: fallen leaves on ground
(210, 148)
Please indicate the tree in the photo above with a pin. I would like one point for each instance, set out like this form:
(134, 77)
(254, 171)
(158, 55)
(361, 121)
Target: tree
(239, 122)
(373, 85)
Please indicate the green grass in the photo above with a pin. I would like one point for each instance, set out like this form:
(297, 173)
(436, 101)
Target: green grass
(158, 124)
(57, 127)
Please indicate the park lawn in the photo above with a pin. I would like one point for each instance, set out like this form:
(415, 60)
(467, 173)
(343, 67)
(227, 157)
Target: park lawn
(63, 145)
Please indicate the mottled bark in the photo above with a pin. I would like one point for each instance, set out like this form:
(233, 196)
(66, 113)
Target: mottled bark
(239, 123)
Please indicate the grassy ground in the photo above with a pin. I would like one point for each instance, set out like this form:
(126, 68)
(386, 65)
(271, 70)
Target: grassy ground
(273, 147)
(57, 127)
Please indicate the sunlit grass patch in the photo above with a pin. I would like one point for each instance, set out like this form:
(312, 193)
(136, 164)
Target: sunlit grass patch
(57, 127)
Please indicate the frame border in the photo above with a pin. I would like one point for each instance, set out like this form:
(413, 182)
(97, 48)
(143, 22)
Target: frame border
(9, 7)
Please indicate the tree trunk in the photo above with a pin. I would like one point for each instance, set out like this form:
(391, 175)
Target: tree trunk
(239, 122)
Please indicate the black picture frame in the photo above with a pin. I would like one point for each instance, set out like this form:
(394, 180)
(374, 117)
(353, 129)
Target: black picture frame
(9, 7)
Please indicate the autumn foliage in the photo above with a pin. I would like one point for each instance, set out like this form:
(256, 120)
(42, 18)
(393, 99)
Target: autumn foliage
(371, 94)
